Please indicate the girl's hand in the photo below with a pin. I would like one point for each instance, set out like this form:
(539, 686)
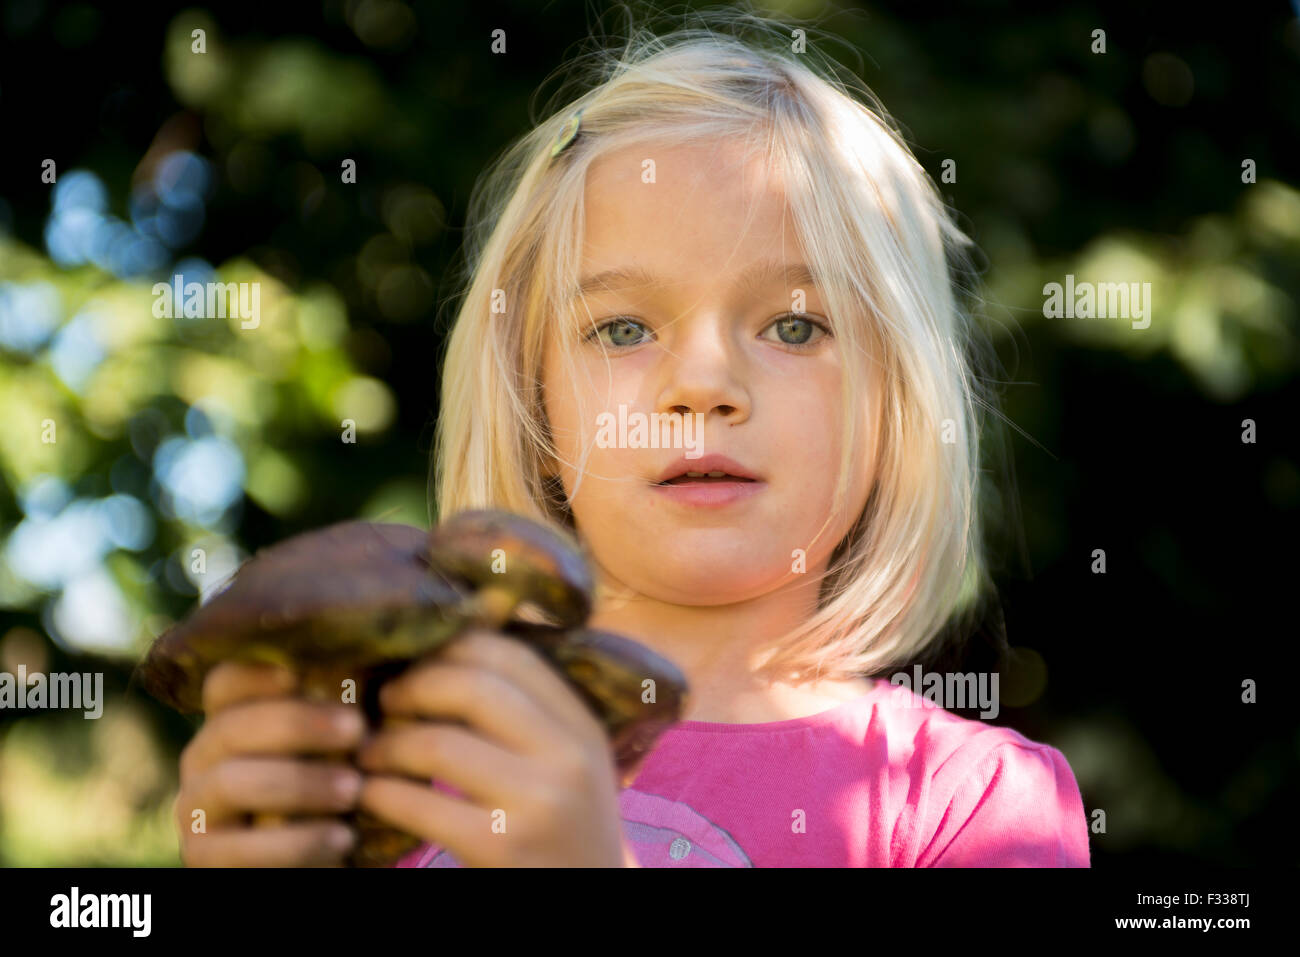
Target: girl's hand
(534, 764)
(248, 758)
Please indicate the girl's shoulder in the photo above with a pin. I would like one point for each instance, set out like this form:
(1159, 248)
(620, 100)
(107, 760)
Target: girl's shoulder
(983, 794)
(918, 720)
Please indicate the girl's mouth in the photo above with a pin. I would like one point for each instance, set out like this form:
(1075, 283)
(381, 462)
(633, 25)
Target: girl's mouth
(708, 491)
(704, 478)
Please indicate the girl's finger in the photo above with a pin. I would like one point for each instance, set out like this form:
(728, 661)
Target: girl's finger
(428, 814)
(300, 844)
(283, 726)
(424, 750)
(514, 660)
(492, 705)
(242, 786)
(234, 682)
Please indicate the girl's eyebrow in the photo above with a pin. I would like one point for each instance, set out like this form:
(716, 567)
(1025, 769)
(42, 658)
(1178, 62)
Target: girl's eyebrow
(755, 276)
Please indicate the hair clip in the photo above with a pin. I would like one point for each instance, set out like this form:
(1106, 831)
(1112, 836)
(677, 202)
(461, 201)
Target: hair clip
(567, 135)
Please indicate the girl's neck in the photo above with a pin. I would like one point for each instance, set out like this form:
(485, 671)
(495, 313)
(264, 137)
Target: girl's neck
(719, 649)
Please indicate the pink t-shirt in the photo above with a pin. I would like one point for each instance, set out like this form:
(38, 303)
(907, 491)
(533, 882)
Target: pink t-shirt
(884, 780)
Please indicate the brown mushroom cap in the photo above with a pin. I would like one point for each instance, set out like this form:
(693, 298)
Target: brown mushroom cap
(354, 596)
(356, 592)
(536, 563)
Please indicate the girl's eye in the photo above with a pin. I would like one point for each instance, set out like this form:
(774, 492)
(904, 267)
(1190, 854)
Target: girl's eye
(798, 331)
(622, 333)
(793, 330)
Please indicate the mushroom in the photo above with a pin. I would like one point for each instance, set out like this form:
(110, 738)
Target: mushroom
(360, 601)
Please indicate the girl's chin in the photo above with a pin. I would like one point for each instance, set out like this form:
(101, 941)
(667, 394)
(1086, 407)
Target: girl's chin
(708, 584)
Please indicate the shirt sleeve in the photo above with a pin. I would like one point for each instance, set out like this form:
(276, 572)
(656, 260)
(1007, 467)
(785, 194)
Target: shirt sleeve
(1020, 808)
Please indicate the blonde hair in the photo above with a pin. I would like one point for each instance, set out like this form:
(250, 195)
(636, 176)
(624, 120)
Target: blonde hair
(887, 256)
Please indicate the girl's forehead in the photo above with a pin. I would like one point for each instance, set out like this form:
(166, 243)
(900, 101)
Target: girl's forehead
(681, 179)
(668, 212)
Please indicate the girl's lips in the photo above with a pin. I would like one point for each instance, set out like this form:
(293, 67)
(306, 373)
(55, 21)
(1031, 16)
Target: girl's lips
(710, 493)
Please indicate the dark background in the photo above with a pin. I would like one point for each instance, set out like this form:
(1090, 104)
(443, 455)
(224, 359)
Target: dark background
(1122, 166)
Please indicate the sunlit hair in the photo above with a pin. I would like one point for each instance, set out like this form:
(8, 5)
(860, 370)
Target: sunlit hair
(889, 262)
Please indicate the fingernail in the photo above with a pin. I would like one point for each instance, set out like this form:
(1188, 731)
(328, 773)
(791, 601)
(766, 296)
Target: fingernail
(347, 786)
(348, 722)
(340, 839)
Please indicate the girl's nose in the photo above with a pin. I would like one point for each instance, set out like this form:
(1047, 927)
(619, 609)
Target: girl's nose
(703, 374)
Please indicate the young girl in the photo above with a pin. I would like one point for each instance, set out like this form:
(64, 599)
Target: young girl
(717, 235)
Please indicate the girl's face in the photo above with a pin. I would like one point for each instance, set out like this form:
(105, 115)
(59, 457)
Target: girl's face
(691, 327)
